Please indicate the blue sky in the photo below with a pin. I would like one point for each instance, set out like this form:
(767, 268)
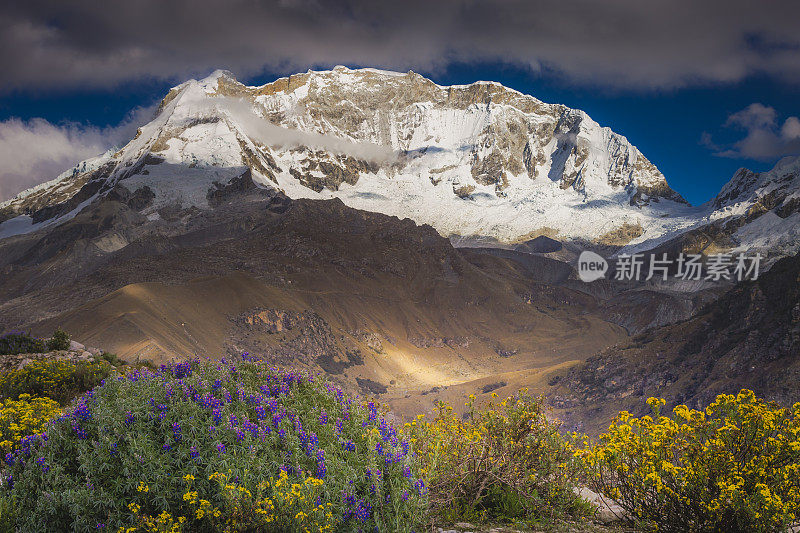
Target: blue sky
(685, 82)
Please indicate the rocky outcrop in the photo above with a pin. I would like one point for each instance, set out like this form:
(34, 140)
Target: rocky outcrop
(76, 353)
(305, 338)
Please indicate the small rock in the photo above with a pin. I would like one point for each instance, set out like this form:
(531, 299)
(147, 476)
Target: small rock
(95, 351)
(76, 346)
(607, 509)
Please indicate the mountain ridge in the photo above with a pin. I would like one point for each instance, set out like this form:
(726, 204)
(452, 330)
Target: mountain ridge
(469, 160)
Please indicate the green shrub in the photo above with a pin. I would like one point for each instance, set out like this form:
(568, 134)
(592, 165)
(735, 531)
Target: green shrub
(8, 514)
(18, 342)
(57, 379)
(114, 360)
(503, 462)
(207, 446)
(59, 340)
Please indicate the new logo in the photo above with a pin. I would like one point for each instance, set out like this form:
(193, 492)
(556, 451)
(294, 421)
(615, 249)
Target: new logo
(591, 266)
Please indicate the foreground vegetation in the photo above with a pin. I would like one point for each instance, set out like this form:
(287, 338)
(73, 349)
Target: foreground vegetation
(207, 446)
(58, 380)
(242, 446)
(36, 393)
(504, 461)
(18, 342)
(734, 467)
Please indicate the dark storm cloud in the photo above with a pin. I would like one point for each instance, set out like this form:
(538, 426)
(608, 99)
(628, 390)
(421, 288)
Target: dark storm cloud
(614, 43)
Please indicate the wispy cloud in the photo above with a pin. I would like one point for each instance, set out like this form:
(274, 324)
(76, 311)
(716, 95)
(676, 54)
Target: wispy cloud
(36, 150)
(765, 139)
(267, 133)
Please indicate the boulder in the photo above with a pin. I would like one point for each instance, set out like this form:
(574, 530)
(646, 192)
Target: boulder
(76, 346)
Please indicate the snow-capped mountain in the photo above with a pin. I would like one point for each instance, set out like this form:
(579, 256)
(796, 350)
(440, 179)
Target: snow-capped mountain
(763, 207)
(469, 160)
(750, 191)
(754, 212)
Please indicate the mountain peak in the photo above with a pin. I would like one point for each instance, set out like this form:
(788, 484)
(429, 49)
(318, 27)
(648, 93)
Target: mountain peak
(478, 159)
(217, 74)
(747, 187)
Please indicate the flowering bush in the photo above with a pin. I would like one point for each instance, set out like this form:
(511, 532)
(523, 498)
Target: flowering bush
(23, 417)
(211, 446)
(18, 342)
(733, 468)
(57, 379)
(504, 461)
(279, 504)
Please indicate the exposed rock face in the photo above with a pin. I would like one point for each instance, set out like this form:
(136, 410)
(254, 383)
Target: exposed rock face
(306, 338)
(621, 235)
(46, 200)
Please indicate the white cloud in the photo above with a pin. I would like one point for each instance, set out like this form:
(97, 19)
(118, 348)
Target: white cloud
(35, 151)
(753, 116)
(791, 128)
(764, 140)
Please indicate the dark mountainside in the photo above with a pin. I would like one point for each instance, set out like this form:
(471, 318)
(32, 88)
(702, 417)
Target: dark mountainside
(748, 338)
(379, 303)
